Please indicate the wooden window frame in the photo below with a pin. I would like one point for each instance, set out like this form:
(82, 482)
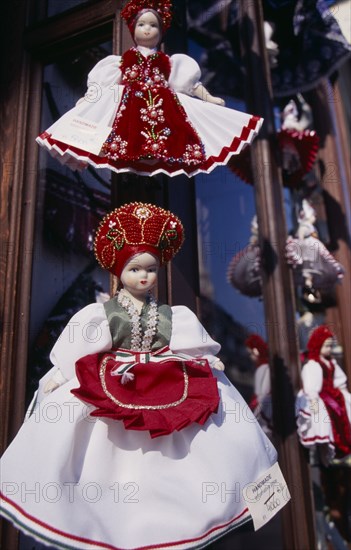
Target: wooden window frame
(30, 49)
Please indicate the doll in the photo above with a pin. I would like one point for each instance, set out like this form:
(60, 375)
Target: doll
(298, 146)
(244, 270)
(261, 401)
(315, 269)
(136, 439)
(146, 112)
(324, 403)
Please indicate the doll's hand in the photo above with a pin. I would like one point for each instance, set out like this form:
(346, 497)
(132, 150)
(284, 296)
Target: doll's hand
(215, 100)
(218, 365)
(55, 382)
(201, 92)
(50, 386)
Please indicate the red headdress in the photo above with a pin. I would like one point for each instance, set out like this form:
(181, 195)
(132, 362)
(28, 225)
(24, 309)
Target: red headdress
(316, 341)
(133, 7)
(136, 228)
(255, 341)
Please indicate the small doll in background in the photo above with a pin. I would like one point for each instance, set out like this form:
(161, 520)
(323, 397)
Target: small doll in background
(314, 267)
(146, 112)
(298, 146)
(324, 403)
(244, 270)
(261, 401)
(136, 438)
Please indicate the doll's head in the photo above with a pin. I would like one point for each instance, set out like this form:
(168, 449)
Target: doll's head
(134, 229)
(139, 274)
(320, 343)
(147, 29)
(257, 349)
(307, 213)
(157, 11)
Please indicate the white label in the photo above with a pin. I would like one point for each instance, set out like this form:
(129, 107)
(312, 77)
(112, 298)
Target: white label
(266, 496)
(82, 133)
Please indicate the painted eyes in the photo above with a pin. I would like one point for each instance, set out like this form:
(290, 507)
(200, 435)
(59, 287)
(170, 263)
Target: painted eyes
(152, 25)
(149, 270)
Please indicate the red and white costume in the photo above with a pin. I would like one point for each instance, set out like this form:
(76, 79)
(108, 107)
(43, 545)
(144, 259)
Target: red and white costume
(145, 97)
(324, 403)
(76, 481)
(158, 459)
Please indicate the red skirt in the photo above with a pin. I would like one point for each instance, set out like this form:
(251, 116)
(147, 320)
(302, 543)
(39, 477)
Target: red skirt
(164, 395)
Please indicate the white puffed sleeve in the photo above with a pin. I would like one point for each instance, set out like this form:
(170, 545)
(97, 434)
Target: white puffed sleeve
(185, 74)
(86, 333)
(106, 72)
(105, 75)
(189, 336)
(312, 379)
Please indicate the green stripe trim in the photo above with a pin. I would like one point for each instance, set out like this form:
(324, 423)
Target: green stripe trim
(202, 544)
(24, 527)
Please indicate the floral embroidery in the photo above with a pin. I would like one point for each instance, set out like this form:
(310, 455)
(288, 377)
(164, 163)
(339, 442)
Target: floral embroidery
(153, 114)
(114, 147)
(117, 238)
(194, 154)
(167, 238)
(145, 87)
(143, 213)
(132, 73)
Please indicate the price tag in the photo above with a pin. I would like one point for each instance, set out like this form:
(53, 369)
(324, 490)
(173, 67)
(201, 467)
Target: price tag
(82, 133)
(266, 496)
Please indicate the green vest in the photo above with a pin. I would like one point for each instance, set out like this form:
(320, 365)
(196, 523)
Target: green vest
(120, 327)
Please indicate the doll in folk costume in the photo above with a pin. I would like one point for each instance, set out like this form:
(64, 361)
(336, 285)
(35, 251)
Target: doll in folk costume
(314, 268)
(261, 401)
(324, 403)
(244, 270)
(146, 112)
(136, 423)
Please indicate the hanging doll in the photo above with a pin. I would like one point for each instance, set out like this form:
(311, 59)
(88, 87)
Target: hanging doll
(136, 439)
(298, 146)
(261, 401)
(324, 403)
(244, 270)
(146, 112)
(315, 269)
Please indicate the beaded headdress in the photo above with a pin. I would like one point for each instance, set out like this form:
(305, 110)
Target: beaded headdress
(316, 341)
(133, 7)
(135, 228)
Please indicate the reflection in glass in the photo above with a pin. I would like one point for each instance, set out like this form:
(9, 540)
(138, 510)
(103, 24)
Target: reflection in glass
(69, 204)
(41, 9)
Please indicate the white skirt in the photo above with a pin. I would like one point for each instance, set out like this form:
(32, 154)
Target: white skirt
(77, 482)
(224, 132)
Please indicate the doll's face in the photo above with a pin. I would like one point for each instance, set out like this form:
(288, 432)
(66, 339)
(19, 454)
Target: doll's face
(139, 275)
(253, 354)
(147, 31)
(326, 349)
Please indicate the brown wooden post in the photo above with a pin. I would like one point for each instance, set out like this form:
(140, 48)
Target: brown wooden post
(278, 294)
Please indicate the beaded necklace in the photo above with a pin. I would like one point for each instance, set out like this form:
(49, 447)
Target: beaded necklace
(140, 342)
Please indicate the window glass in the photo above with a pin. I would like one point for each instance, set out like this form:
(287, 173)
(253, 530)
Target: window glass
(226, 210)
(58, 6)
(41, 9)
(65, 275)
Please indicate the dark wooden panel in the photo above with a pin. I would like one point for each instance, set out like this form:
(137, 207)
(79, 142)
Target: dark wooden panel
(279, 303)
